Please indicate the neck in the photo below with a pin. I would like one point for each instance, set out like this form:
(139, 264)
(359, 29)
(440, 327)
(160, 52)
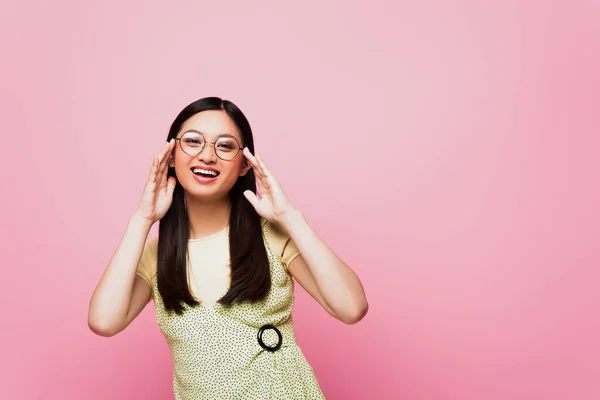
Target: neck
(207, 217)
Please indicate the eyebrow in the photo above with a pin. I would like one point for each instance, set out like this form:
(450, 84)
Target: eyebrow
(203, 134)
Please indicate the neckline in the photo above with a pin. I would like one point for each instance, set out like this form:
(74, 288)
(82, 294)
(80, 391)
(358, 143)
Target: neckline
(203, 238)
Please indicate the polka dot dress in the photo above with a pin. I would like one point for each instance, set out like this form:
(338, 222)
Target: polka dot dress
(216, 350)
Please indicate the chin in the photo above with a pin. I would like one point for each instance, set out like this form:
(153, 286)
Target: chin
(198, 191)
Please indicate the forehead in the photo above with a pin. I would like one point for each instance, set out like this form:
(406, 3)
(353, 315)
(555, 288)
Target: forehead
(212, 123)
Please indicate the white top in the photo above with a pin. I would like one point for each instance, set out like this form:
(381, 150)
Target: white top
(209, 270)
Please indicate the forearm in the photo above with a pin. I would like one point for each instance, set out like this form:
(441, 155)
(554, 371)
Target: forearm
(111, 299)
(337, 282)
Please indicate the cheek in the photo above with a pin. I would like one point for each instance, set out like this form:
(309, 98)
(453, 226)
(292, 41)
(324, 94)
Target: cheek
(181, 165)
(234, 167)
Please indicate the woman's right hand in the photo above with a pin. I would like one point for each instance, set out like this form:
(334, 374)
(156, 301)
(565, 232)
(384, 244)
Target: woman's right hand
(158, 192)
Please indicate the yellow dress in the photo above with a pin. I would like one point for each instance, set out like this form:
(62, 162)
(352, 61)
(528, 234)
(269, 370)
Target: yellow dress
(216, 350)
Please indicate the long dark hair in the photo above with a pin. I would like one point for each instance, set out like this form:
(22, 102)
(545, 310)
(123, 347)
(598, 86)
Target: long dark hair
(250, 274)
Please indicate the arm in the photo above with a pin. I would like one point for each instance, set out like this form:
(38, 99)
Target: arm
(121, 295)
(327, 278)
(322, 273)
(300, 271)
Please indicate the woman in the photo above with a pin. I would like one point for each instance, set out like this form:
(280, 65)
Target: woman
(220, 272)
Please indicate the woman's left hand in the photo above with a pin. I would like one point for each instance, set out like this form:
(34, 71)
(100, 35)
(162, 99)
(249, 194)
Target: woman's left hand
(273, 203)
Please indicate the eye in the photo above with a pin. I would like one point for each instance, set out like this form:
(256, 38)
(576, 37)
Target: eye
(192, 141)
(226, 144)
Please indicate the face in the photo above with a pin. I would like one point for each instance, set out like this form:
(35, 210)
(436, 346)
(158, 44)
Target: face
(190, 169)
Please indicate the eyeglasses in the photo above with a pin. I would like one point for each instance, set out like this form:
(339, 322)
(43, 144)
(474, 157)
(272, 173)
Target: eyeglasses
(192, 143)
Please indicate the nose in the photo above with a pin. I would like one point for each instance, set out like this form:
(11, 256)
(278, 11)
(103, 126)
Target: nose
(208, 154)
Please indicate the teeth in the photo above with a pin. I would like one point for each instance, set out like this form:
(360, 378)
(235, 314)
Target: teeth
(196, 170)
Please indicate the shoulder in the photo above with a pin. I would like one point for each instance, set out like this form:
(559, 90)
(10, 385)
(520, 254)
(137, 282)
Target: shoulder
(151, 246)
(277, 236)
(148, 264)
(281, 244)
(149, 257)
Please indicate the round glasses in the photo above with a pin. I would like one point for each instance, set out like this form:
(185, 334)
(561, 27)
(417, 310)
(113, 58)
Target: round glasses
(192, 143)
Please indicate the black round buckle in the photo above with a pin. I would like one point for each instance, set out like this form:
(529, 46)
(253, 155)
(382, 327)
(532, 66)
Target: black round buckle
(263, 345)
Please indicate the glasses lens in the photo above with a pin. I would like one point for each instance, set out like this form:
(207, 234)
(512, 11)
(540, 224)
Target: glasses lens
(227, 148)
(192, 143)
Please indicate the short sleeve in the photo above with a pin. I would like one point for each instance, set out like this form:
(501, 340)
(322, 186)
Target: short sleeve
(282, 244)
(148, 261)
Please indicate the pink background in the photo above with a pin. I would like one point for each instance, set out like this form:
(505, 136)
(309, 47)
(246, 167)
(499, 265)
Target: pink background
(448, 151)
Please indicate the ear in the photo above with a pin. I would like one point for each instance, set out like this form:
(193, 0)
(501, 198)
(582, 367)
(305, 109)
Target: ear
(245, 168)
(171, 161)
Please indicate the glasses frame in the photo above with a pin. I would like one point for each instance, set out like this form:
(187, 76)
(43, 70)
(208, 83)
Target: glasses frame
(207, 142)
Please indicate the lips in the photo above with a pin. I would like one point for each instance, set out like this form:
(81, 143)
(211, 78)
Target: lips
(204, 179)
(206, 172)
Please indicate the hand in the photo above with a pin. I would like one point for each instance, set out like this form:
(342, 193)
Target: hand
(273, 203)
(158, 192)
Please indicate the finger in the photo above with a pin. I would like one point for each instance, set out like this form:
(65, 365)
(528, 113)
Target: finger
(168, 157)
(251, 198)
(172, 143)
(168, 153)
(171, 186)
(163, 154)
(262, 183)
(159, 160)
(172, 148)
(162, 173)
(253, 162)
(262, 164)
(165, 149)
(261, 178)
(269, 178)
(249, 157)
(163, 167)
(262, 189)
(150, 187)
(163, 177)
(153, 169)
